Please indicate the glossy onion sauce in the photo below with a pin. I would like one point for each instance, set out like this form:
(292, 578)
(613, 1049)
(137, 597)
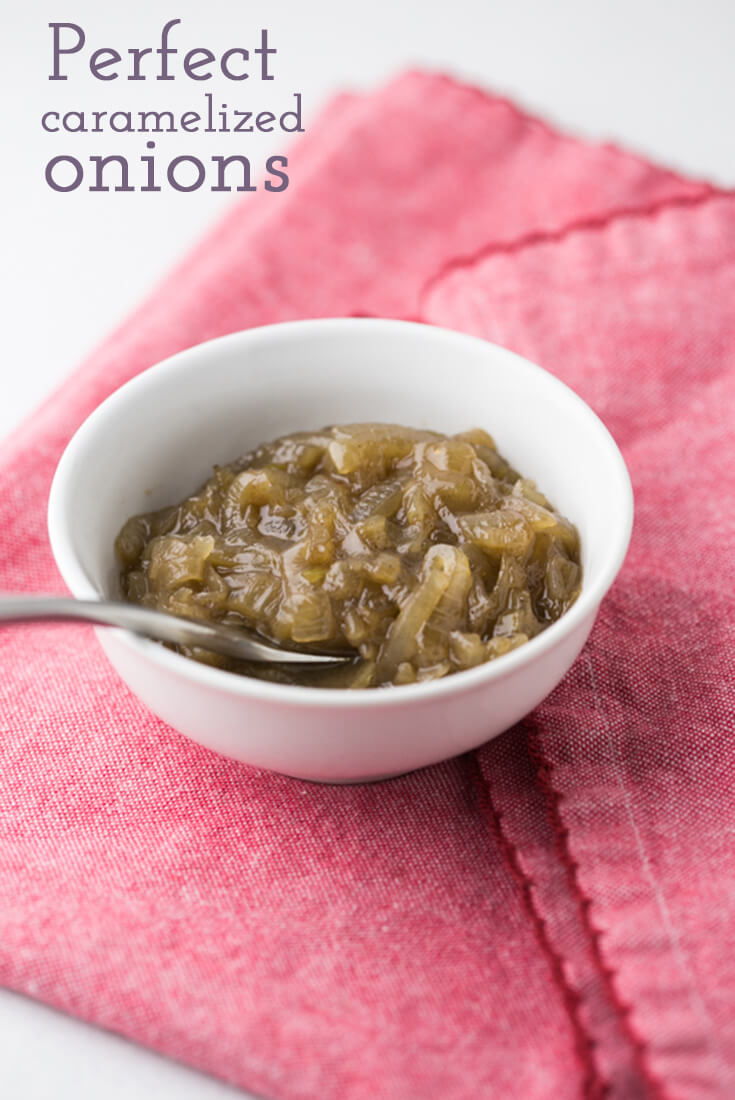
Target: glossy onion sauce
(423, 554)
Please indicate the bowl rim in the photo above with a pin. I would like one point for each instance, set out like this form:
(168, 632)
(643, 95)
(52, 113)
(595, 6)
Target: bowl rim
(586, 604)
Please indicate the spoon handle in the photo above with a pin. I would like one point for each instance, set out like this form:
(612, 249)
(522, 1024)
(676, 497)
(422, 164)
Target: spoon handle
(220, 638)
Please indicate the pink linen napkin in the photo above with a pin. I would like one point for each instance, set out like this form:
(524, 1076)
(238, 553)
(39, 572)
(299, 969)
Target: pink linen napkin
(548, 917)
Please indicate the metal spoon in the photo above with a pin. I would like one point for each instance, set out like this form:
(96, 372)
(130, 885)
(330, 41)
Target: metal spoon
(229, 641)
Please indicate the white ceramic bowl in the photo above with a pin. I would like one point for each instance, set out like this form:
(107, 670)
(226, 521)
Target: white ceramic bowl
(157, 438)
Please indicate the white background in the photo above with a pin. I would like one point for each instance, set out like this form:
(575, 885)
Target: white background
(656, 76)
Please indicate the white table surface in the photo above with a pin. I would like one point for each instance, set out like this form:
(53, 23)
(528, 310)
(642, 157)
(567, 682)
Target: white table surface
(656, 77)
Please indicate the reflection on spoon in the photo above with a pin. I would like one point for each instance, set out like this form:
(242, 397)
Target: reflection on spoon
(229, 641)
